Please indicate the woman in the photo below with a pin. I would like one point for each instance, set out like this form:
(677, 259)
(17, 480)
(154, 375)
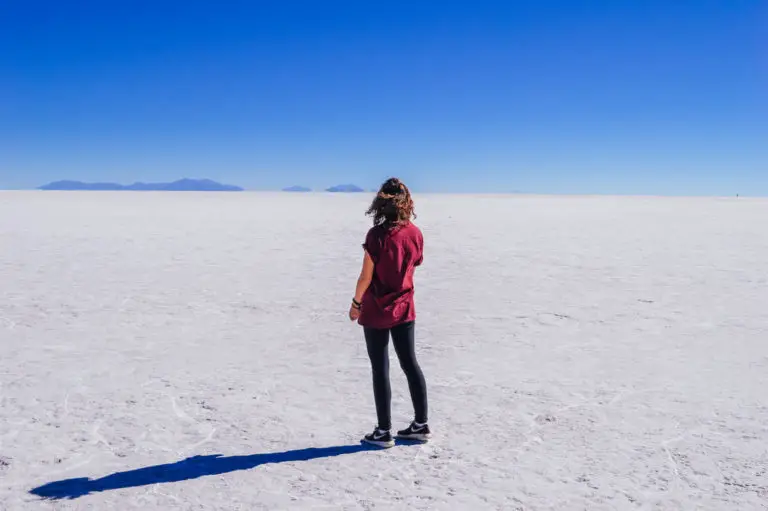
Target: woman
(383, 305)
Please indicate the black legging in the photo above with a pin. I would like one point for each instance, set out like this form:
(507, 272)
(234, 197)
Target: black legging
(403, 339)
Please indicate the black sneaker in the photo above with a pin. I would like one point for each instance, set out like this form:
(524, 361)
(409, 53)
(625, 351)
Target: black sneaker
(379, 438)
(417, 432)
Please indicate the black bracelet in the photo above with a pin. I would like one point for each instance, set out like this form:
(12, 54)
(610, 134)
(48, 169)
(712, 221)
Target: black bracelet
(356, 304)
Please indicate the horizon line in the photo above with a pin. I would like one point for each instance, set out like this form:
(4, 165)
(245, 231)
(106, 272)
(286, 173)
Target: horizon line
(364, 192)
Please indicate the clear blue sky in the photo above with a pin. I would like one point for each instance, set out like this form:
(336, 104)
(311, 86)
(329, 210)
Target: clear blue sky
(568, 96)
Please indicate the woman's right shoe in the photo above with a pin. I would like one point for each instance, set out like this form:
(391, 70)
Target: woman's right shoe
(415, 432)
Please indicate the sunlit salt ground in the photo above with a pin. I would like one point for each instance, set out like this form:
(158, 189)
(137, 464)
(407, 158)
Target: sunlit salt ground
(581, 353)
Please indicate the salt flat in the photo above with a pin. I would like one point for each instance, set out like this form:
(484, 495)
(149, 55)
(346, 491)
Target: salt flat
(599, 353)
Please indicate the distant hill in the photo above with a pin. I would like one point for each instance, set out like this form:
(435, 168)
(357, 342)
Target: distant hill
(77, 185)
(345, 189)
(182, 185)
(297, 189)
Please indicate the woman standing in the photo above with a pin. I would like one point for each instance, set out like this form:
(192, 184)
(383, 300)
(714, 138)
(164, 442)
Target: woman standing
(384, 305)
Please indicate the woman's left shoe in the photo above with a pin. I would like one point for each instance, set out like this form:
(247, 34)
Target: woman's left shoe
(380, 438)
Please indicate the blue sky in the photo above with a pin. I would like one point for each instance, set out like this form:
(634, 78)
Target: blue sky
(544, 96)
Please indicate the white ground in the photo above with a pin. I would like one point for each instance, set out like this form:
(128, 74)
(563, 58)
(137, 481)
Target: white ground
(581, 353)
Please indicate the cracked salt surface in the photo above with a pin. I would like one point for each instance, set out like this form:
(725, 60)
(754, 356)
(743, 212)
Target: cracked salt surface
(581, 353)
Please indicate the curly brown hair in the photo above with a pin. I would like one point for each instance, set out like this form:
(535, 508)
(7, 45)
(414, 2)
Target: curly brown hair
(393, 205)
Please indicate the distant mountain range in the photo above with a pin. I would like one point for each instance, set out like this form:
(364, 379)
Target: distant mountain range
(335, 189)
(345, 189)
(297, 189)
(182, 185)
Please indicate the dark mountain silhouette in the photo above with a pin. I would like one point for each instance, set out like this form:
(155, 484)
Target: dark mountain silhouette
(182, 185)
(77, 185)
(297, 189)
(345, 189)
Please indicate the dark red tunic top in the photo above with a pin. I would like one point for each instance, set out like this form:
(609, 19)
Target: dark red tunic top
(396, 253)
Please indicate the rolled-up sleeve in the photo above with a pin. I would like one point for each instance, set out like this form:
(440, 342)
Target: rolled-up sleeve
(420, 248)
(372, 245)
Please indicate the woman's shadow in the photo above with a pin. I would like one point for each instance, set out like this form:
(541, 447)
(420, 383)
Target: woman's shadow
(190, 468)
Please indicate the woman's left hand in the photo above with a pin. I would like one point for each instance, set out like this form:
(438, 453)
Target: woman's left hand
(354, 313)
